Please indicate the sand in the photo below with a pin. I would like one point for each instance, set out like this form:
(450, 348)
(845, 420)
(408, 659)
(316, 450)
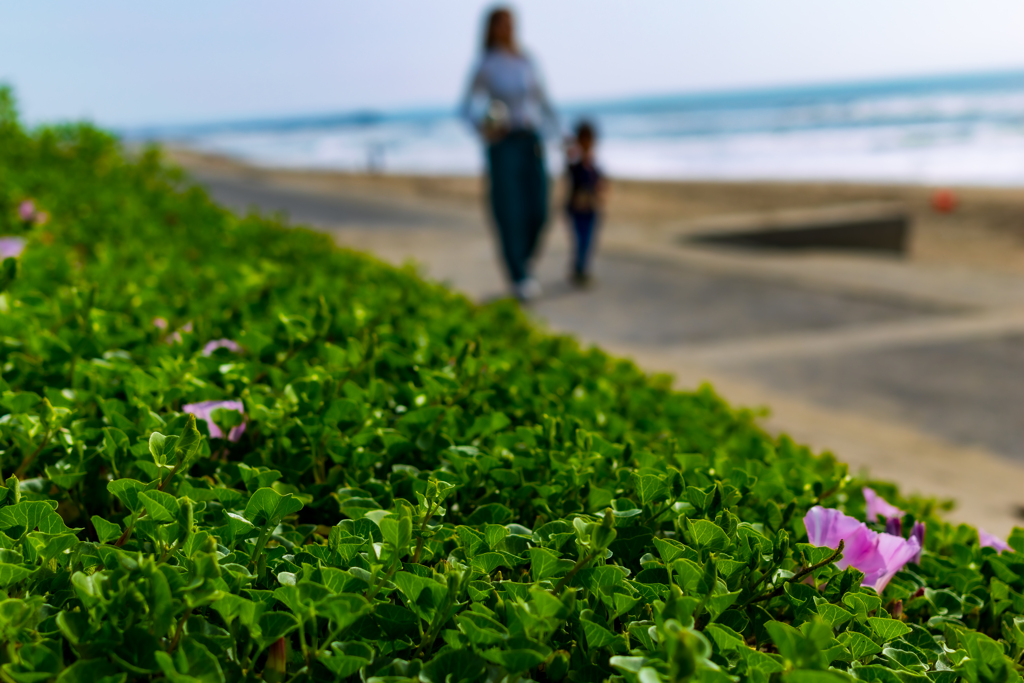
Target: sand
(986, 229)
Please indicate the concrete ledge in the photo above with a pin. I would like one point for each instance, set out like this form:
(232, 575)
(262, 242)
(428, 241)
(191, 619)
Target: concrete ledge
(868, 226)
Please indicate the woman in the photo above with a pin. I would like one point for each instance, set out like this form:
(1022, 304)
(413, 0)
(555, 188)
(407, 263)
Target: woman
(516, 109)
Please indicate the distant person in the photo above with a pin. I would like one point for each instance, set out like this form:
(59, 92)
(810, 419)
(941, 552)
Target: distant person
(516, 110)
(586, 189)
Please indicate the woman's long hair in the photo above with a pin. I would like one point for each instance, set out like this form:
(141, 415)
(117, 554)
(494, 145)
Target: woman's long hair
(490, 26)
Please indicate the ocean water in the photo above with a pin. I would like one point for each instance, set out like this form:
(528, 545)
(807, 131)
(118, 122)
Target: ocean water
(966, 129)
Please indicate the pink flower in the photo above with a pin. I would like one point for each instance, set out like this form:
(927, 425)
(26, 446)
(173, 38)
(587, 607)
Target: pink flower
(990, 541)
(42, 218)
(204, 411)
(11, 247)
(878, 556)
(175, 337)
(879, 507)
(27, 210)
(160, 323)
(228, 344)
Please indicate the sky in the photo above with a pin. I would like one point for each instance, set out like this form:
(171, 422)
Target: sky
(126, 63)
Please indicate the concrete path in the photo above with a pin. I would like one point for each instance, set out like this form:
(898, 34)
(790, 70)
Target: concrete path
(908, 371)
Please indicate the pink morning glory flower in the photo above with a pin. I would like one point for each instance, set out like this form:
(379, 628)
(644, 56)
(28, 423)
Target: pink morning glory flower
(878, 556)
(990, 541)
(228, 344)
(204, 411)
(11, 247)
(27, 210)
(879, 507)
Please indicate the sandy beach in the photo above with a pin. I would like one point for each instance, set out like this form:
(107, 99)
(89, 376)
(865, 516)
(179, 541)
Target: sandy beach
(986, 229)
(902, 366)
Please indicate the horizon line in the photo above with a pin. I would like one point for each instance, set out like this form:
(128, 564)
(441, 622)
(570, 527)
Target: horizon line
(735, 95)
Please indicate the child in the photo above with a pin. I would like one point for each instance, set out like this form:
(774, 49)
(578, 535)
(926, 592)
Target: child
(586, 195)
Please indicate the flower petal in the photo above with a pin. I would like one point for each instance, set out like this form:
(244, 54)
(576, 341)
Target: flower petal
(878, 556)
(991, 541)
(228, 344)
(11, 247)
(204, 411)
(879, 507)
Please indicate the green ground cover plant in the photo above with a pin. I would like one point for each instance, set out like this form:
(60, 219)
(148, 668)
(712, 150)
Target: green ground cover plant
(400, 485)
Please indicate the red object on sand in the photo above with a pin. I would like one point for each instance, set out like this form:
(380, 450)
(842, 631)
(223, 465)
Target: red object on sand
(944, 201)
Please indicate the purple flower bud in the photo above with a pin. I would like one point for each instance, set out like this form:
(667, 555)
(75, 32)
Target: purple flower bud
(11, 247)
(918, 533)
(879, 507)
(990, 541)
(894, 526)
(27, 210)
(228, 344)
(878, 556)
(204, 411)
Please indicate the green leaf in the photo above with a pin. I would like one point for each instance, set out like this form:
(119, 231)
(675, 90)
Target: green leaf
(92, 671)
(860, 645)
(190, 663)
(708, 535)
(494, 534)
(346, 659)
(598, 636)
(160, 506)
(21, 518)
(397, 531)
(481, 630)
(888, 629)
(107, 531)
(834, 615)
(545, 564)
(10, 574)
(189, 443)
(158, 444)
(862, 604)
(454, 666)
(343, 610)
(127, 491)
(650, 488)
(420, 594)
(232, 607)
(493, 513)
(517, 661)
(267, 507)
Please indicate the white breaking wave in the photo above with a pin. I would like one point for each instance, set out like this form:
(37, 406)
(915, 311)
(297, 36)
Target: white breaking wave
(959, 131)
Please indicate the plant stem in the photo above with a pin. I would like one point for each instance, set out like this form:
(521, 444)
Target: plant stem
(27, 462)
(260, 542)
(423, 525)
(800, 575)
(166, 479)
(387, 577)
(177, 631)
(127, 532)
(580, 564)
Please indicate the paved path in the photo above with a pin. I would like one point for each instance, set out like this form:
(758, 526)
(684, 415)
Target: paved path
(910, 371)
